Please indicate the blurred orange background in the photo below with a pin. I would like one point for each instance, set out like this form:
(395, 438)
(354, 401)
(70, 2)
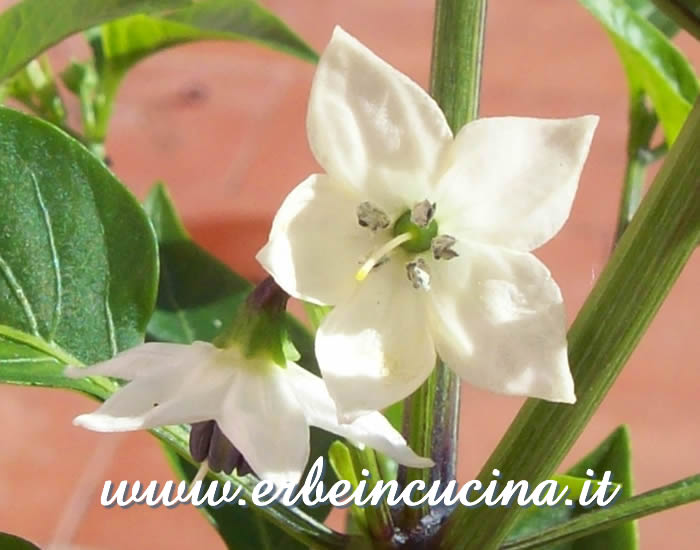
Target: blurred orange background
(223, 125)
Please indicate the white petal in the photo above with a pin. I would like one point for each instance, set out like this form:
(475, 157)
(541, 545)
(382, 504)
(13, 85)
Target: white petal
(498, 321)
(511, 181)
(190, 394)
(264, 421)
(316, 244)
(373, 127)
(146, 360)
(126, 409)
(375, 349)
(371, 429)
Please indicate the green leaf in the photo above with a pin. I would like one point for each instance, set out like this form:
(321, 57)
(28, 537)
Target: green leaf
(663, 498)
(197, 295)
(652, 63)
(119, 45)
(78, 263)
(31, 26)
(648, 10)
(685, 13)
(612, 454)
(12, 542)
(127, 41)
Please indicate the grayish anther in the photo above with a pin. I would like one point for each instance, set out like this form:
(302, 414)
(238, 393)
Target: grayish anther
(423, 212)
(442, 247)
(419, 274)
(372, 217)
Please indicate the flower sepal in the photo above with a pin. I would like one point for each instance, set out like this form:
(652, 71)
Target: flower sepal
(259, 329)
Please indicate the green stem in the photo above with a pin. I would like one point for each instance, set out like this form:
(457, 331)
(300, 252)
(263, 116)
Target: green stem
(458, 46)
(379, 521)
(651, 502)
(641, 271)
(432, 413)
(642, 123)
(635, 174)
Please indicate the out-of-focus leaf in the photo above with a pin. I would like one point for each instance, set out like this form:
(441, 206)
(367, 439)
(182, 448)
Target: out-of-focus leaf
(685, 13)
(197, 294)
(12, 542)
(648, 10)
(126, 41)
(652, 63)
(78, 264)
(612, 454)
(31, 26)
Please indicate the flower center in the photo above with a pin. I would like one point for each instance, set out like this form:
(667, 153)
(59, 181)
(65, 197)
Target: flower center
(420, 236)
(415, 231)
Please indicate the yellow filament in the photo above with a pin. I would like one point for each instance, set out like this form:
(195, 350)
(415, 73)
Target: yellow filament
(378, 254)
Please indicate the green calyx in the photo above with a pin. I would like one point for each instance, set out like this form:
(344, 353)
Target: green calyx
(421, 237)
(259, 329)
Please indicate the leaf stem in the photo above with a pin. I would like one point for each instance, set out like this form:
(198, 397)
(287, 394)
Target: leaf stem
(431, 415)
(651, 502)
(641, 271)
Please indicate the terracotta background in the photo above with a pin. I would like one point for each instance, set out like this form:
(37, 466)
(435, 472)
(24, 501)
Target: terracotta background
(223, 125)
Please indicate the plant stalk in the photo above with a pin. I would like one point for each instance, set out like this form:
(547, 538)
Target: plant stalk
(431, 416)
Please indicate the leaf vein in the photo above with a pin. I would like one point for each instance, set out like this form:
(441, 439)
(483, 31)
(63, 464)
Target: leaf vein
(17, 290)
(54, 259)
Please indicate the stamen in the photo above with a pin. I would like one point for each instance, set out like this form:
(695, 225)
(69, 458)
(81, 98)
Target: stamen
(442, 247)
(372, 217)
(423, 212)
(376, 257)
(419, 274)
(201, 473)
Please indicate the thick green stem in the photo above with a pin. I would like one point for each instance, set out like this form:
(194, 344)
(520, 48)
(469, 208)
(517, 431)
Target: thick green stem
(432, 414)
(641, 271)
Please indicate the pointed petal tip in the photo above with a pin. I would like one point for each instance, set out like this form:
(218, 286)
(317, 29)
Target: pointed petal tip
(105, 423)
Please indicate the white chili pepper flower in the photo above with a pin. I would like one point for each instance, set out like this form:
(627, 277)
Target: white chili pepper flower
(264, 410)
(262, 402)
(422, 240)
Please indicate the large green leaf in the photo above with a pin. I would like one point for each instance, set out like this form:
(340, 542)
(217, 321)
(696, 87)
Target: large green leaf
(31, 26)
(197, 294)
(12, 542)
(78, 265)
(612, 454)
(652, 63)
